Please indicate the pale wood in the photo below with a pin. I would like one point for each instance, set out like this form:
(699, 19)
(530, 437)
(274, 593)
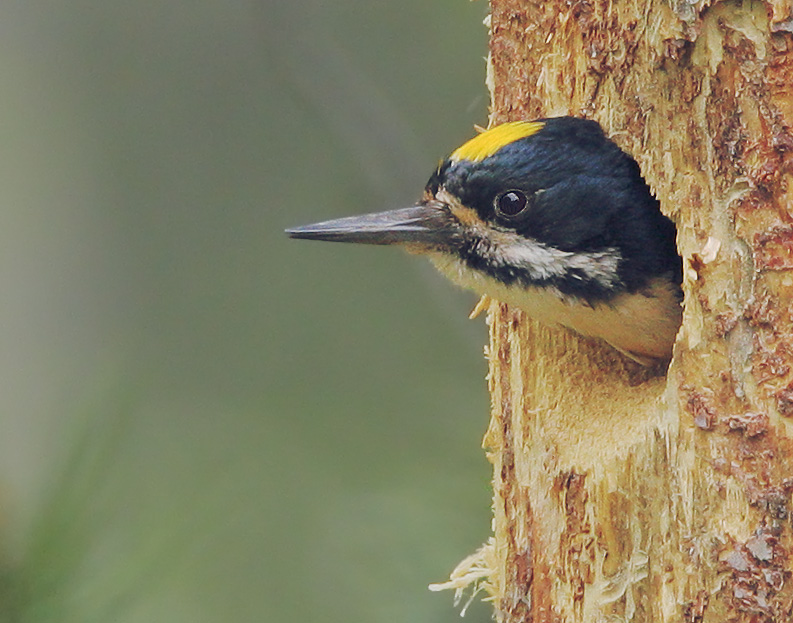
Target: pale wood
(620, 495)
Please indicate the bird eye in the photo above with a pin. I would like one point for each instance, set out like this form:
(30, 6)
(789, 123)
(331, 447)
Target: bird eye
(511, 203)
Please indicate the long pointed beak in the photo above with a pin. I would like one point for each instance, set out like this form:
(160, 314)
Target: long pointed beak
(423, 226)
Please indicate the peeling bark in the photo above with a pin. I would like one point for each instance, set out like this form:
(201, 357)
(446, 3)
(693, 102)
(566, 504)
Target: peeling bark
(622, 495)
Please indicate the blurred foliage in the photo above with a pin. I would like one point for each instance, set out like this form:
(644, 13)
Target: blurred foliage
(203, 420)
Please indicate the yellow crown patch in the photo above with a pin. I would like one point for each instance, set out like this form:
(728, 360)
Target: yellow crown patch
(489, 142)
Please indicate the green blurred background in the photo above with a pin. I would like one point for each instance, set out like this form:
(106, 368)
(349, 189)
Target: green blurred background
(203, 420)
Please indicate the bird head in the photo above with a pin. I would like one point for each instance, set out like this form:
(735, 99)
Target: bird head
(550, 215)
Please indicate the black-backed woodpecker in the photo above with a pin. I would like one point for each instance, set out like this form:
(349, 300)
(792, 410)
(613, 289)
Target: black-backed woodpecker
(550, 216)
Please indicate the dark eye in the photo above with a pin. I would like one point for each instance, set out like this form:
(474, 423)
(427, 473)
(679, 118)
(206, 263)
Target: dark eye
(511, 203)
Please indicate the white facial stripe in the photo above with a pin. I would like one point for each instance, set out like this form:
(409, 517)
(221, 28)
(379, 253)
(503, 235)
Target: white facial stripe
(542, 262)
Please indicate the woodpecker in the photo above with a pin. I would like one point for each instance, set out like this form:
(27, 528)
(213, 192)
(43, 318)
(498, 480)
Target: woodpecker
(550, 216)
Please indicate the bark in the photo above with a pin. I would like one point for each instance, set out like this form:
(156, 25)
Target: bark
(619, 494)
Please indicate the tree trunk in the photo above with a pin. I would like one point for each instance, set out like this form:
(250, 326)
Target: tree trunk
(619, 494)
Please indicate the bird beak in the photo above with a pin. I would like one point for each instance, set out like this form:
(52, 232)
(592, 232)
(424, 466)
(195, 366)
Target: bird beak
(422, 227)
